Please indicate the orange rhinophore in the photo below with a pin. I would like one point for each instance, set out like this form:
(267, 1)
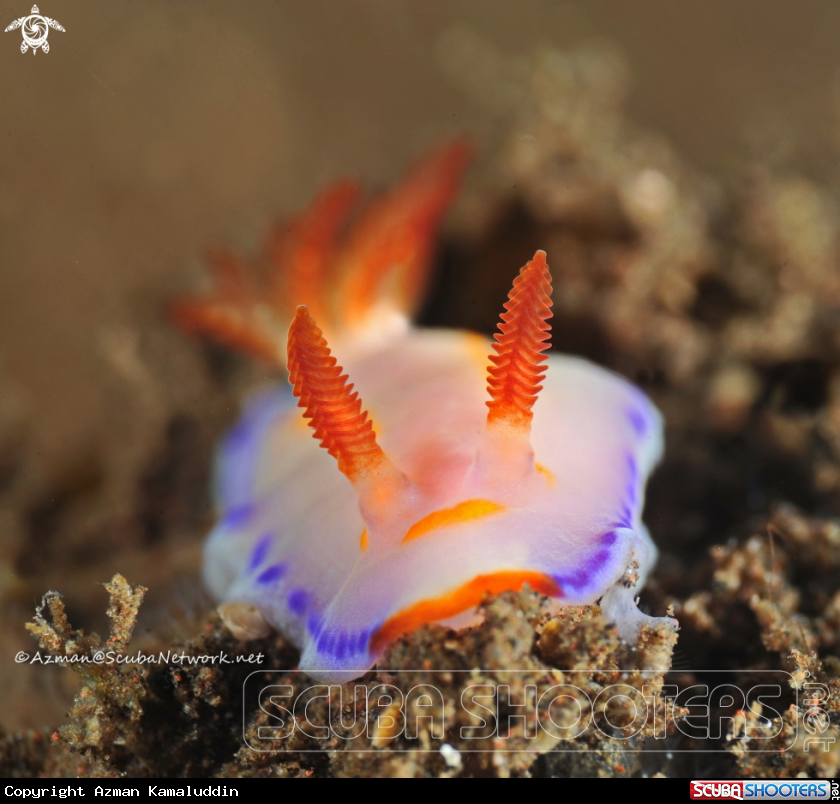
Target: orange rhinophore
(343, 428)
(329, 401)
(515, 376)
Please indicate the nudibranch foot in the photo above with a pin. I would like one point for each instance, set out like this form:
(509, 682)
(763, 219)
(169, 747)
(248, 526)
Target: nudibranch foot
(620, 608)
(244, 621)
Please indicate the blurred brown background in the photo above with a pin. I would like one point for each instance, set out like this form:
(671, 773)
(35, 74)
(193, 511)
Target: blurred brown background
(154, 130)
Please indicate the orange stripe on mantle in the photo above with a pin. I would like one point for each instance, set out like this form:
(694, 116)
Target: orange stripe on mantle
(464, 597)
(462, 512)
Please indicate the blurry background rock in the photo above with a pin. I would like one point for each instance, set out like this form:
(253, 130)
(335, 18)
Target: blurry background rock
(678, 164)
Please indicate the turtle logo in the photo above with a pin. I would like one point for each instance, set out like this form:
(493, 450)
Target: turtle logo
(35, 30)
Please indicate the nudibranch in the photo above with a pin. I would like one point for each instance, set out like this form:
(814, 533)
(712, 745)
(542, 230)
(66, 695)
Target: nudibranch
(451, 466)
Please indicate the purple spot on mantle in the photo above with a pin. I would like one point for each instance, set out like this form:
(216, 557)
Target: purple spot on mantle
(572, 580)
(238, 436)
(239, 516)
(632, 468)
(579, 578)
(360, 644)
(314, 624)
(236, 460)
(625, 516)
(298, 601)
(273, 573)
(343, 644)
(637, 421)
(259, 552)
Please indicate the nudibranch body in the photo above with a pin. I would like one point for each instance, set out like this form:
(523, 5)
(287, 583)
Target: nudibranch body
(478, 469)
